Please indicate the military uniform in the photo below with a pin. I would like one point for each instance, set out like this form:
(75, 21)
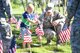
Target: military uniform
(49, 29)
(5, 7)
(6, 41)
(73, 9)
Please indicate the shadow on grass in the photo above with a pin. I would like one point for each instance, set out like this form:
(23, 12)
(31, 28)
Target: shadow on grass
(57, 49)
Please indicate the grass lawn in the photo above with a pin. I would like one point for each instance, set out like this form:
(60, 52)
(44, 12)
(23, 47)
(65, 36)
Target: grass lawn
(64, 48)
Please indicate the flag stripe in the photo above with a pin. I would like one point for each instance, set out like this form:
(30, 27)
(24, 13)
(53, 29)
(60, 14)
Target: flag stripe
(1, 46)
(27, 39)
(39, 31)
(65, 35)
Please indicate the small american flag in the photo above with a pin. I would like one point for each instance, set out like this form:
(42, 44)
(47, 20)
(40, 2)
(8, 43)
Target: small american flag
(29, 31)
(18, 24)
(13, 20)
(39, 31)
(13, 46)
(65, 34)
(36, 17)
(27, 39)
(1, 46)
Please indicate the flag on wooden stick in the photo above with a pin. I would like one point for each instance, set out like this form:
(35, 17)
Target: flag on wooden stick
(64, 34)
(1, 46)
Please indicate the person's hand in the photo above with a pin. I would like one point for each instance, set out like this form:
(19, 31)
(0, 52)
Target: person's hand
(55, 23)
(37, 22)
(9, 20)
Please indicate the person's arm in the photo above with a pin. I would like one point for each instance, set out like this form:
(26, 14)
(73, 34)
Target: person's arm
(58, 18)
(72, 6)
(32, 21)
(41, 18)
(7, 7)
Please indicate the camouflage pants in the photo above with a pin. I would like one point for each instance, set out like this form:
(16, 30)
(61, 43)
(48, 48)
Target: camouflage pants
(6, 45)
(58, 29)
(49, 34)
(75, 37)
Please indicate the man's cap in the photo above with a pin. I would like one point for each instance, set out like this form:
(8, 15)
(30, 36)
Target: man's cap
(49, 6)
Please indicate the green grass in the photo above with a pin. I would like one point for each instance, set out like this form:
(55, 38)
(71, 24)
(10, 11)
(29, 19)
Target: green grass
(64, 48)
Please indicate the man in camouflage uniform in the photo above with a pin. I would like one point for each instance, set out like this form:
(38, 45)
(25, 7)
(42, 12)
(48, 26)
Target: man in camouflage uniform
(52, 22)
(73, 10)
(5, 7)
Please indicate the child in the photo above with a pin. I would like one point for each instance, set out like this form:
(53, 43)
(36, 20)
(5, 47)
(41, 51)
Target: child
(27, 20)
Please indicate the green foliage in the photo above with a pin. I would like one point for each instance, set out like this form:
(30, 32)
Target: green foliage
(19, 42)
(17, 2)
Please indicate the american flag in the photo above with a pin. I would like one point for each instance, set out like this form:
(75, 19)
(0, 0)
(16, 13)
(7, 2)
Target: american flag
(39, 31)
(27, 39)
(1, 46)
(65, 34)
(29, 31)
(13, 20)
(13, 46)
(36, 17)
(18, 24)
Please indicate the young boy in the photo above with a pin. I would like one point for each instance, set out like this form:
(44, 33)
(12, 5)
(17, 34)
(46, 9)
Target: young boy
(27, 20)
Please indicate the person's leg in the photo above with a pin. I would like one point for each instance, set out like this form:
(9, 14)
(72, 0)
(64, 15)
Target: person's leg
(49, 33)
(40, 39)
(24, 45)
(23, 33)
(48, 40)
(58, 29)
(75, 39)
(28, 33)
(6, 45)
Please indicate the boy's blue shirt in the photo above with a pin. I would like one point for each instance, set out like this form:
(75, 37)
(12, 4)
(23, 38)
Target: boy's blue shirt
(26, 15)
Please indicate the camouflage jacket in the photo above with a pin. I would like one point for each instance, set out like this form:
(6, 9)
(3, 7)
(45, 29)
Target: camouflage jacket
(4, 28)
(48, 20)
(5, 7)
(3, 33)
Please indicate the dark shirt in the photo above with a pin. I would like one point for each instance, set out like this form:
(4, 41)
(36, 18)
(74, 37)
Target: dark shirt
(26, 15)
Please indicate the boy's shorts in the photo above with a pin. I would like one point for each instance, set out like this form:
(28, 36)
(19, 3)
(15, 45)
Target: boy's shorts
(25, 31)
